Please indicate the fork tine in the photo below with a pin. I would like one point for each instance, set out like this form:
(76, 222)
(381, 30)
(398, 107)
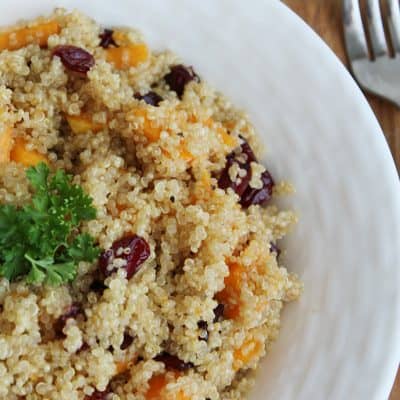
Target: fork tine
(376, 31)
(394, 23)
(356, 43)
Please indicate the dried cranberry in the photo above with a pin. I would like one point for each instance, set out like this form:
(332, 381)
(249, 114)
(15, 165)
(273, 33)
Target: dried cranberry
(173, 362)
(258, 196)
(98, 395)
(219, 312)
(248, 151)
(107, 39)
(204, 327)
(202, 324)
(128, 340)
(274, 249)
(133, 249)
(225, 182)
(74, 58)
(242, 158)
(179, 77)
(151, 98)
(248, 196)
(98, 286)
(72, 312)
(84, 347)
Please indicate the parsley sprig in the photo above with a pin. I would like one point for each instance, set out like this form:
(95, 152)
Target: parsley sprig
(41, 240)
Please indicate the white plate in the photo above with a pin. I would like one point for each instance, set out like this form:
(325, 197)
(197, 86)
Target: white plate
(342, 340)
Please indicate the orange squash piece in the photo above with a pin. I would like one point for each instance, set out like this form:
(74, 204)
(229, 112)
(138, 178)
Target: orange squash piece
(124, 365)
(38, 34)
(127, 56)
(28, 158)
(205, 181)
(230, 295)
(224, 135)
(202, 188)
(209, 122)
(121, 38)
(83, 123)
(248, 352)
(184, 153)
(229, 124)
(152, 131)
(156, 390)
(120, 207)
(149, 128)
(6, 142)
(156, 385)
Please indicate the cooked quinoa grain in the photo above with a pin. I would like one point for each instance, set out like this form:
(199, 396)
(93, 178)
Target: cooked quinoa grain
(186, 296)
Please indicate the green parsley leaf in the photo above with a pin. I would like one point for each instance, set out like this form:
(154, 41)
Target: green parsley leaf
(83, 248)
(41, 241)
(46, 270)
(60, 273)
(8, 223)
(13, 265)
(35, 275)
(38, 176)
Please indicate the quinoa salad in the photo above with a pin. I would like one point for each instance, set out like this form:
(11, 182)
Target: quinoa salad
(139, 253)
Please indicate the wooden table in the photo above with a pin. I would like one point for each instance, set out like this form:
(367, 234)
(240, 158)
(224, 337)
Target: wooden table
(324, 16)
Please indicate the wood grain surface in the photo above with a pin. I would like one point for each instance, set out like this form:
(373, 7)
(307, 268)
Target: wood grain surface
(325, 17)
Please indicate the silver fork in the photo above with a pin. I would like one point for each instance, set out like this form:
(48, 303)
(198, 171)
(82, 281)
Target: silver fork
(378, 72)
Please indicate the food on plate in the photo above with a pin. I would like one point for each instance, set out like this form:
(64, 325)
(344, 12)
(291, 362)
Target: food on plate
(138, 228)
